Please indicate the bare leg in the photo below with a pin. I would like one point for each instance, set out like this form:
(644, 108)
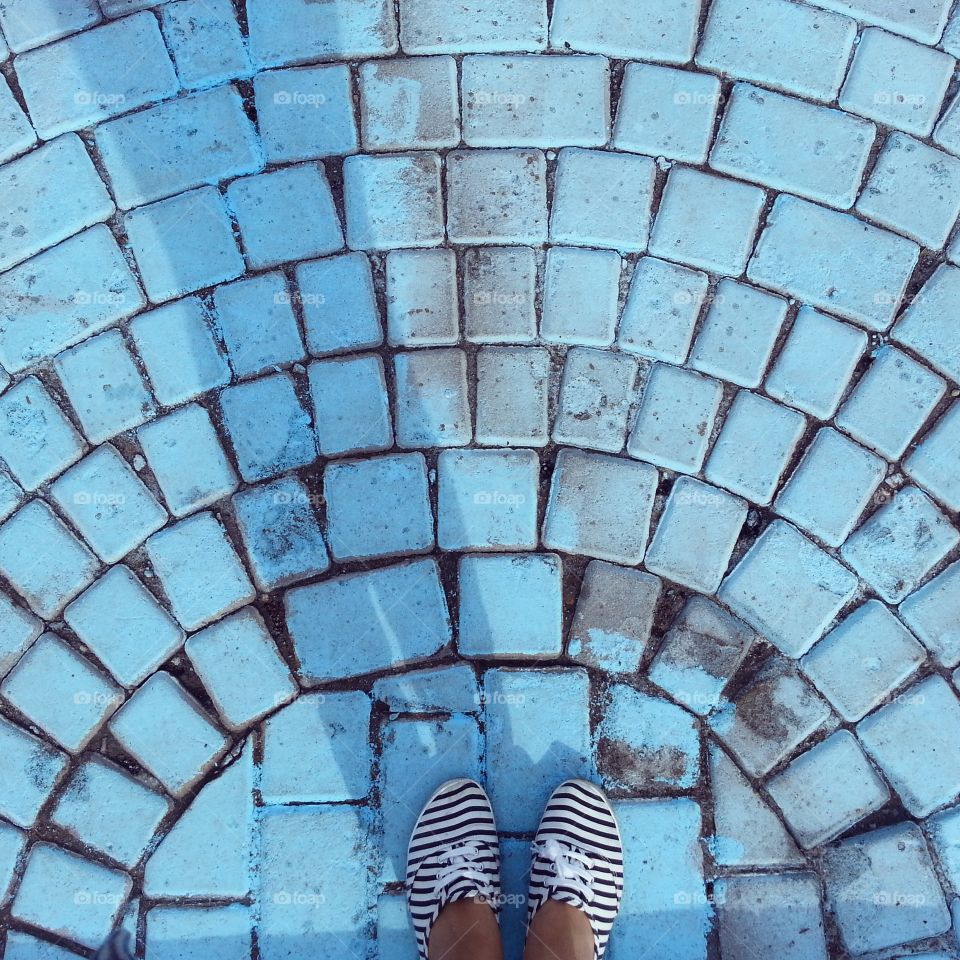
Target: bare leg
(466, 930)
(559, 932)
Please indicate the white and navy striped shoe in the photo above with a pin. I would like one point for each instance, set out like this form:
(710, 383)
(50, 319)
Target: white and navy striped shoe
(578, 858)
(454, 855)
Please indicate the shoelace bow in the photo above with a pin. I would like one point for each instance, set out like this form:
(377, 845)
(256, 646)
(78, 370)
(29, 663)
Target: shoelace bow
(460, 863)
(570, 868)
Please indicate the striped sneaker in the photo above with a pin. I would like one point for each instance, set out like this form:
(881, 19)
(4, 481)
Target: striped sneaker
(578, 858)
(454, 855)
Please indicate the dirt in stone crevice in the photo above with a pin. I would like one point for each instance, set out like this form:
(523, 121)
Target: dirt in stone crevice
(633, 768)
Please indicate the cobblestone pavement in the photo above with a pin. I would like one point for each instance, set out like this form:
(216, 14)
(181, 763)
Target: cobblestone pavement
(399, 391)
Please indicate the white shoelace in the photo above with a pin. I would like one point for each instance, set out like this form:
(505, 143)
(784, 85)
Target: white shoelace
(460, 864)
(570, 868)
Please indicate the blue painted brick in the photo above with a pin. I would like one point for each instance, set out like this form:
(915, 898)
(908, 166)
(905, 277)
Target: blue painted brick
(288, 214)
(27, 23)
(926, 326)
(269, 428)
(339, 304)
(487, 499)
(511, 606)
(432, 405)
(164, 337)
(580, 297)
(934, 463)
(205, 40)
(16, 133)
(351, 405)
(305, 113)
(422, 303)
(378, 507)
(280, 532)
(395, 614)
(105, 388)
(256, 321)
(481, 26)
(512, 401)
(173, 261)
(430, 691)
(182, 931)
(19, 629)
(187, 459)
(499, 293)
(35, 767)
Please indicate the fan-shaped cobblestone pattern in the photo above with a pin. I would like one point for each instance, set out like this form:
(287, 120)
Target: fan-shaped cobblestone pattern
(393, 392)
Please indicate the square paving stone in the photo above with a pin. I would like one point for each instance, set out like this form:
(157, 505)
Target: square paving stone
(700, 654)
(511, 606)
(70, 896)
(33, 770)
(281, 533)
(944, 832)
(187, 458)
(852, 475)
(306, 113)
(721, 245)
(602, 199)
(311, 890)
(422, 303)
(661, 311)
(432, 690)
(393, 201)
(747, 831)
(104, 386)
(241, 668)
(18, 629)
(288, 214)
(499, 292)
(799, 49)
(165, 336)
(934, 463)
(199, 570)
(108, 503)
(696, 535)
(816, 363)
(914, 190)
(124, 626)
(174, 262)
(883, 890)
(192, 933)
(317, 750)
(351, 406)
(614, 617)
(946, 133)
(378, 507)
(770, 717)
(675, 419)
(512, 396)
(205, 41)
(581, 296)
(393, 615)
(36, 440)
(861, 661)
(45, 23)
(535, 101)
(433, 26)
(600, 506)
(61, 692)
(828, 789)
(666, 113)
(432, 406)
(596, 394)
(788, 589)
(256, 321)
(914, 741)
(834, 261)
(418, 756)
(739, 333)
(12, 843)
(552, 709)
(645, 743)
(897, 82)
(497, 196)
(487, 499)
(933, 613)
(900, 544)
(17, 133)
(43, 561)
(161, 712)
(409, 103)
(339, 304)
(891, 403)
(109, 810)
(663, 30)
(927, 324)
(11, 496)
(268, 426)
(770, 916)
